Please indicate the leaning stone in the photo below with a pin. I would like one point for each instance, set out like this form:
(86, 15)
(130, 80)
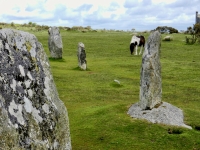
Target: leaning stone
(31, 114)
(82, 63)
(150, 81)
(55, 43)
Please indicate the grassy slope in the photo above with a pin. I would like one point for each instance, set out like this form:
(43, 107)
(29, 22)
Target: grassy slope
(97, 106)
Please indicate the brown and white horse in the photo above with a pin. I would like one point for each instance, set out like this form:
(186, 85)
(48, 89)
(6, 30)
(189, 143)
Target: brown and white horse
(135, 42)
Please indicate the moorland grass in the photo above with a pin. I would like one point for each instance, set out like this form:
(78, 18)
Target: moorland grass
(97, 107)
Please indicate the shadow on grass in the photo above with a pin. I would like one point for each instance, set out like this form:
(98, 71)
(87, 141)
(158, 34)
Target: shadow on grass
(116, 85)
(197, 128)
(79, 69)
(57, 59)
(175, 130)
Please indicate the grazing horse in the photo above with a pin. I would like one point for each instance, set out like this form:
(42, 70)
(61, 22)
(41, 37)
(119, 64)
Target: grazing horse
(135, 42)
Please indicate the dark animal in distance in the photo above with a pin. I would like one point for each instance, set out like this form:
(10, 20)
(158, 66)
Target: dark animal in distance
(135, 42)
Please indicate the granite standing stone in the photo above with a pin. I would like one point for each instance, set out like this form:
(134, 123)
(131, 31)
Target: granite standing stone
(55, 43)
(31, 114)
(150, 78)
(82, 63)
(150, 106)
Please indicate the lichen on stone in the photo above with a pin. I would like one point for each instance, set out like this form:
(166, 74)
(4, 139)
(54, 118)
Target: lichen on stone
(28, 46)
(28, 96)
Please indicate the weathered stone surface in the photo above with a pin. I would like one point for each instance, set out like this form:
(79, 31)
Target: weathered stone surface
(31, 114)
(164, 114)
(150, 81)
(55, 42)
(82, 63)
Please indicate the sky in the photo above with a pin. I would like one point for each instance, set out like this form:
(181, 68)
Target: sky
(140, 15)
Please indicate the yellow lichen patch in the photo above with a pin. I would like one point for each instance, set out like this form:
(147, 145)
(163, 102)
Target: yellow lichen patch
(28, 46)
(35, 63)
(33, 59)
(36, 68)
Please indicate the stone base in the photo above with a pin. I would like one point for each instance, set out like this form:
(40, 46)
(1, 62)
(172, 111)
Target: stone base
(164, 114)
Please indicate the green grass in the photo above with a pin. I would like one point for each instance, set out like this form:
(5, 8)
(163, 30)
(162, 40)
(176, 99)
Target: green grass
(97, 106)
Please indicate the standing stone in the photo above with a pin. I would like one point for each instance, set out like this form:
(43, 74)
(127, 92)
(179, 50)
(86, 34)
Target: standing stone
(55, 42)
(82, 63)
(31, 114)
(150, 106)
(150, 81)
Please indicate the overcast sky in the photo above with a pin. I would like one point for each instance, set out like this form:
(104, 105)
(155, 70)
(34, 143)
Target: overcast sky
(99, 14)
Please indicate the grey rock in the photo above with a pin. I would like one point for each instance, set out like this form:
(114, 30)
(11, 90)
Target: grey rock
(164, 114)
(150, 78)
(82, 63)
(55, 42)
(168, 38)
(150, 106)
(31, 114)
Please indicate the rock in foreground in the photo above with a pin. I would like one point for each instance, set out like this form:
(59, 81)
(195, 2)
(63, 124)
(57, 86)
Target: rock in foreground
(31, 114)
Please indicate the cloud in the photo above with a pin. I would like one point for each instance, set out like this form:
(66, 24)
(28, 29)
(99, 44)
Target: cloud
(114, 6)
(84, 7)
(184, 4)
(109, 14)
(174, 13)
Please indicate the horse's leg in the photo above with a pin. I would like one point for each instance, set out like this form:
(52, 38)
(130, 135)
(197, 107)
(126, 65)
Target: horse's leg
(136, 50)
(140, 50)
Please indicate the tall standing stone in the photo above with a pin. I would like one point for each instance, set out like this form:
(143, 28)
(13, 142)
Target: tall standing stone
(82, 63)
(55, 42)
(150, 81)
(31, 114)
(150, 106)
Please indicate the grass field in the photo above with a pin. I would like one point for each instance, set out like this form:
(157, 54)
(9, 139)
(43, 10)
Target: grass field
(97, 106)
